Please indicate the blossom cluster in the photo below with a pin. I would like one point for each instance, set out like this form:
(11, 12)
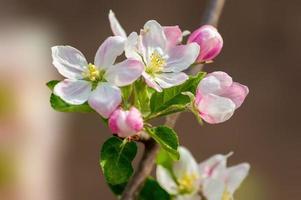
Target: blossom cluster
(140, 76)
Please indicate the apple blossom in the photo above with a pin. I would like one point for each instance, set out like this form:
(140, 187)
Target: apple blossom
(158, 49)
(210, 41)
(184, 180)
(218, 181)
(218, 96)
(96, 83)
(126, 123)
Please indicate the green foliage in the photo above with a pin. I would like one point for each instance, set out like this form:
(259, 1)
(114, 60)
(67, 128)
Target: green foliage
(172, 99)
(59, 104)
(164, 159)
(167, 138)
(153, 191)
(116, 161)
(142, 97)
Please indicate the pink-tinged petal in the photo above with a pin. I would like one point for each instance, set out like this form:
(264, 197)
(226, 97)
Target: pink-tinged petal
(134, 120)
(75, 92)
(237, 93)
(166, 180)
(124, 73)
(213, 189)
(115, 25)
(113, 121)
(181, 57)
(132, 48)
(69, 61)
(167, 80)
(173, 35)
(209, 40)
(213, 166)
(215, 109)
(105, 99)
(223, 77)
(235, 175)
(153, 38)
(108, 51)
(150, 81)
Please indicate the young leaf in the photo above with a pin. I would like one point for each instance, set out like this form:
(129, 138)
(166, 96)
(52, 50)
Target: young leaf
(153, 191)
(116, 160)
(164, 159)
(142, 97)
(59, 104)
(167, 138)
(174, 97)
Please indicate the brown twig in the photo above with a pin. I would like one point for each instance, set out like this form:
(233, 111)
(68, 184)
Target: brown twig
(211, 16)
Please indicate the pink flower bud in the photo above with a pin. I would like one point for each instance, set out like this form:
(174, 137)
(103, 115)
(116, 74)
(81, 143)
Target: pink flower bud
(126, 122)
(218, 96)
(209, 40)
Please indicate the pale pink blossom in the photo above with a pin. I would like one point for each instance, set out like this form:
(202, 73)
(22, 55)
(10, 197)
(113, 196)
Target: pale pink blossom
(218, 96)
(95, 83)
(209, 40)
(126, 123)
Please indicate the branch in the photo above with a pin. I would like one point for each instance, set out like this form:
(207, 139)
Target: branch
(211, 16)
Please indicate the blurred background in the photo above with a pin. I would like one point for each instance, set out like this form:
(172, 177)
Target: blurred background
(46, 155)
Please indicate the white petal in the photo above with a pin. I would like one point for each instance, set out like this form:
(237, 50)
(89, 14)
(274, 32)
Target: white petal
(213, 189)
(115, 25)
(208, 85)
(69, 61)
(213, 166)
(105, 99)
(124, 73)
(215, 109)
(167, 80)
(166, 181)
(181, 57)
(132, 46)
(188, 197)
(153, 38)
(108, 51)
(235, 175)
(186, 165)
(75, 92)
(150, 81)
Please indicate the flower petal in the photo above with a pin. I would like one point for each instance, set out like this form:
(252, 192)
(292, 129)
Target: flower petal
(237, 93)
(69, 61)
(188, 197)
(186, 165)
(115, 25)
(132, 47)
(75, 92)
(235, 175)
(105, 99)
(167, 80)
(173, 35)
(166, 181)
(181, 57)
(213, 166)
(150, 81)
(124, 73)
(108, 51)
(213, 189)
(215, 109)
(153, 38)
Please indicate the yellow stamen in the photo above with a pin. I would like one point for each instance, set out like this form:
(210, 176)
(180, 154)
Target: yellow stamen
(227, 195)
(187, 183)
(92, 73)
(156, 63)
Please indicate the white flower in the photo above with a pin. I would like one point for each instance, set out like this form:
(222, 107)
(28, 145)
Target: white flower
(158, 49)
(184, 180)
(96, 83)
(220, 182)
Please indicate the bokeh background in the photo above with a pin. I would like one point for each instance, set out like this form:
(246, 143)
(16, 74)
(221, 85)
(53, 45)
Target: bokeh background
(46, 155)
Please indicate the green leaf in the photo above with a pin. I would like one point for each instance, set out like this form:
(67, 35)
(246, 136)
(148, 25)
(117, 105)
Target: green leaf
(117, 189)
(51, 84)
(116, 160)
(164, 159)
(167, 138)
(59, 104)
(153, 191)
(173, 98)
(142, 97)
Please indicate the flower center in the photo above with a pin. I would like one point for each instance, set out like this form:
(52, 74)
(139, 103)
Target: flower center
(187, 183)
(92, 73)
(157, 62)
(227, 195)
